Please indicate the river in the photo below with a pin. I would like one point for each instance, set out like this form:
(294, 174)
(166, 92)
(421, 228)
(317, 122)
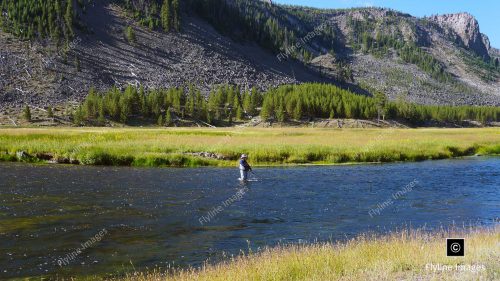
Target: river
(58, 220)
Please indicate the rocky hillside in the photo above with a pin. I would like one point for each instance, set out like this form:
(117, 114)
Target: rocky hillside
(437, 60)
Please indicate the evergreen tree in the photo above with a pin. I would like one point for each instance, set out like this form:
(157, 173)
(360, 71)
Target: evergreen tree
(381, 102)
(230, 117)
(50, 113)
(143, 102)
(130, 34)
(101, 119)
(78, 116)
(68, 17)
(267, 108)
(27, 114)
(210, 116)
(125, 109)
(191, 104)
(160, 120)
(237, 107)
(168, 119)
(280, 113)
(176, 15)
(165, 16)
(255, 100)
(247, 103)
(297, 113)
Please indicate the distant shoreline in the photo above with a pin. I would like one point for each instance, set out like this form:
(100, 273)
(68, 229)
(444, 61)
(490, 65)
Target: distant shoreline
(276, 147)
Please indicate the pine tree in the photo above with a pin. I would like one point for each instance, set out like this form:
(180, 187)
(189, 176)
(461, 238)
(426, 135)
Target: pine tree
(191, 103)
(143, 102)
(280, 113)
(381, 102)
(210, 116)
(165, 15)
(101, 119)
(255, 101)
(247, 103)
(200, 102)
(176, 15)
(27, 114)
(239, 113)
(130, 34)
(50, 113)
(230, 117)
(237, 107)
(297, 113)
(68, 17)
(160, 120)
(267, 108)
(125, 109)
(168, 119)
(78, 116)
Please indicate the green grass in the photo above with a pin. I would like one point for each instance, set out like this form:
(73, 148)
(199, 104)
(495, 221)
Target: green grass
(277, 146)
(405, 255)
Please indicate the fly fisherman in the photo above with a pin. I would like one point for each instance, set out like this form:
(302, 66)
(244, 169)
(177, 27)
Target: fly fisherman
(244, 167)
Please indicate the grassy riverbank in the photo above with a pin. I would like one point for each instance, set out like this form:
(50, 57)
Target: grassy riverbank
(413, 255)
(188, 147)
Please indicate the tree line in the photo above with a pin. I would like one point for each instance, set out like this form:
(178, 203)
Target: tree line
(328, 101)
(228, 103)
(223, 105)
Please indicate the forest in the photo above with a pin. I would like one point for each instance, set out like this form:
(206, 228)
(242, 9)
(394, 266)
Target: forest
(29, 19)
(226, 104)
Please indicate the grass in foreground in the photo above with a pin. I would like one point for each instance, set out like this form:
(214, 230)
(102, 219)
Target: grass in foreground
(173, 147)
(407, 255)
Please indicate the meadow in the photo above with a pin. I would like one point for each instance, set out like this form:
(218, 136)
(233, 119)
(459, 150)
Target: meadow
(181, 147)
(402, 255)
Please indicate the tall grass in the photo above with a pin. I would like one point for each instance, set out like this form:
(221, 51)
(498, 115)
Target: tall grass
(405, 255)
(175, 147)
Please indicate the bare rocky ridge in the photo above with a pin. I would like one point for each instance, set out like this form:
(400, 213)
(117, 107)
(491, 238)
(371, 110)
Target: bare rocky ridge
(38, 75)
(448, 38)
(466, 27)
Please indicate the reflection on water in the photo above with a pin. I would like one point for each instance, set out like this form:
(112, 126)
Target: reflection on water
(152, 216)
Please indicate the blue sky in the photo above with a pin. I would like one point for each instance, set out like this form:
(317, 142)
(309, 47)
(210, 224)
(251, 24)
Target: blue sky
(487, 12)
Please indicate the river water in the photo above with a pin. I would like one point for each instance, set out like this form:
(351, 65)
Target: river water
(75, 221)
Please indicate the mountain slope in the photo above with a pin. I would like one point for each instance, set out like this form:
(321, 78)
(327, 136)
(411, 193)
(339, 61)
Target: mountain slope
(104, 58)
(437, 60)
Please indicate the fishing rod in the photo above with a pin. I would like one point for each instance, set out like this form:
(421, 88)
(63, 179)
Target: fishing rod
(255, 175)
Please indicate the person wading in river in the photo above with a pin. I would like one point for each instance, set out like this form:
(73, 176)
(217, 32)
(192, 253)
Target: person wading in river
(244, 167)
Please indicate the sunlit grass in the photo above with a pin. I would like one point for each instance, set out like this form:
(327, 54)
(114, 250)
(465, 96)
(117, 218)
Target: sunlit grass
(171, 147)
(405, 255)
